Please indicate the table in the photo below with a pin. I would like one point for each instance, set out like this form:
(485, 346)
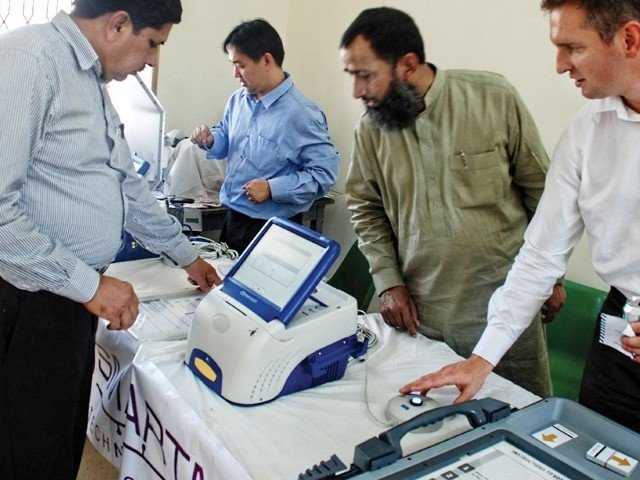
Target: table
(212, 218)
(153, 419)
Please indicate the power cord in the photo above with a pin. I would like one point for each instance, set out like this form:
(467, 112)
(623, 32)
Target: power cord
(207, 250)
(210, 250)
(364, 333)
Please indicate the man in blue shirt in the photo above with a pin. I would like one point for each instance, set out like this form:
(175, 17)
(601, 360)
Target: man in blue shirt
(276, 141)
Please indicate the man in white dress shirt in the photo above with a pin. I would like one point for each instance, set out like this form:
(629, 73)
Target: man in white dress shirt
(593, 185)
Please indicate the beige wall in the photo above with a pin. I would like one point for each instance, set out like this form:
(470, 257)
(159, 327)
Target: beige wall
(505, 36)
(195, 77)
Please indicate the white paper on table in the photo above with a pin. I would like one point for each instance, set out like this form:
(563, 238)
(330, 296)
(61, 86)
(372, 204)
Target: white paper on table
(165, 318)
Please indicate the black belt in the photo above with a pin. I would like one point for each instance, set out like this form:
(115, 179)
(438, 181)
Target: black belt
(101, 270)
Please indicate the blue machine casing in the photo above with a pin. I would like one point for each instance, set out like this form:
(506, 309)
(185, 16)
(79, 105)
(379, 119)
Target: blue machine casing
(257, 303)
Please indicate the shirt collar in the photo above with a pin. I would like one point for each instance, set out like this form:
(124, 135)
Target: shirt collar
(270, 98)
(85, 54)
(614, 104)
(436, 87)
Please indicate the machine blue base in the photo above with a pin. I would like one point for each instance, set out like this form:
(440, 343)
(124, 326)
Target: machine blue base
(322, 366)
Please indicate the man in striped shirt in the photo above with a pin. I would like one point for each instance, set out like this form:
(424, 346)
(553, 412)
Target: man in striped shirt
(67, 191)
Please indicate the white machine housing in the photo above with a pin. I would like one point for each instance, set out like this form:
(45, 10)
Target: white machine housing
(247, 360)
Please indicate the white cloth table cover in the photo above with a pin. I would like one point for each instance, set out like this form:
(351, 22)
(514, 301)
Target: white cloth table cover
(151, 414)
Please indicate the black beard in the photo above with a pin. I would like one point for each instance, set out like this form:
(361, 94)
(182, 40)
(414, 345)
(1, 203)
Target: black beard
(399, 110)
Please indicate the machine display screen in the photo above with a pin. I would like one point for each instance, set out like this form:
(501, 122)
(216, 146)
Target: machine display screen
(279, 264)
(496, 462)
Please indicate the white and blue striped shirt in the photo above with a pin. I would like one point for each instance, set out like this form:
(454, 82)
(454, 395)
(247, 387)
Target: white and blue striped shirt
(67, 183)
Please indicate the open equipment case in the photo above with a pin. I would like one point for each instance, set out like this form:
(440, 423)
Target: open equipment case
(553, 439)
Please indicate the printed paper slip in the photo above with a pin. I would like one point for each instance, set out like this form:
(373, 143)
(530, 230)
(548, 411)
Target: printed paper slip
(165, 318)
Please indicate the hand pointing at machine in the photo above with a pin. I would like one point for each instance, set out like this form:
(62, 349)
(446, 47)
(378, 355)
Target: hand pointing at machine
(467, 375)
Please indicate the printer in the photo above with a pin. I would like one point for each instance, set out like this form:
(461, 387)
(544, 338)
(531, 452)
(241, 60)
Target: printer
(274, 327)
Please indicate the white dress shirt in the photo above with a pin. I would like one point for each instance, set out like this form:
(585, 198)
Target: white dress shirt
(594, 185)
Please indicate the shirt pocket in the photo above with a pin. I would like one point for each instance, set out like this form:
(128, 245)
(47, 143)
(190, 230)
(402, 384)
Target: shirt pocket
(476, 178)
(265, 156)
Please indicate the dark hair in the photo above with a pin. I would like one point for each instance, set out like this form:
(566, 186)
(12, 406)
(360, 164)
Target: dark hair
(254, 39)
(143, 13)
(392, 33)
(604, 16)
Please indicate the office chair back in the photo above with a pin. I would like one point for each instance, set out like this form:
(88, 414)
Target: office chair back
(569, 337)
(352, 276)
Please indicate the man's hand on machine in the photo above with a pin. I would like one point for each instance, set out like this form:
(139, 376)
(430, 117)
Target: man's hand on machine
(202, 274)
(468, 376)
(399, 310)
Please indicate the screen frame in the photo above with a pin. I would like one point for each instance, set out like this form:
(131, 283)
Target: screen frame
(261, 306)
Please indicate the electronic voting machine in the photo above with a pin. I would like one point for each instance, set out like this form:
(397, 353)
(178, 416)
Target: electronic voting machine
(553, 439)
(273, 327)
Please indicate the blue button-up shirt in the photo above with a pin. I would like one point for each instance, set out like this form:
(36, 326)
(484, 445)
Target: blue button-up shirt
(68, 185)
(283, 138)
